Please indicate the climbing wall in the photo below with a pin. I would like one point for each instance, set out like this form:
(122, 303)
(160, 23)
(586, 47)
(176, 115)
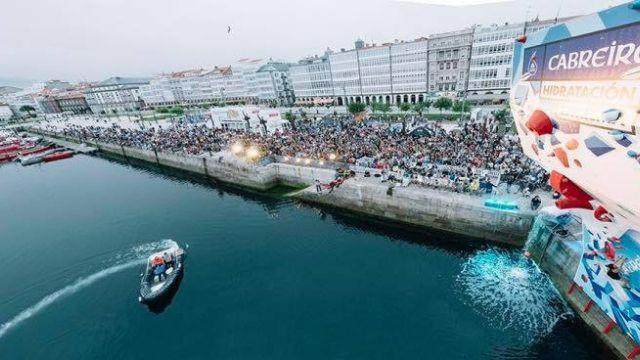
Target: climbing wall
(576, 104)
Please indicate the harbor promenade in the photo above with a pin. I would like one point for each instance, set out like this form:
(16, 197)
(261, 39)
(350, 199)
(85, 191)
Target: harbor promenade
(417, 206)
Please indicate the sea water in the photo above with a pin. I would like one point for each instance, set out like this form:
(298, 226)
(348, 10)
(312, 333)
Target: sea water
(266, 277)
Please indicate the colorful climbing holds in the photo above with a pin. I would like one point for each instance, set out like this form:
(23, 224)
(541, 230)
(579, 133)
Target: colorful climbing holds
(540, 123)
(561, 155)
(572, 144)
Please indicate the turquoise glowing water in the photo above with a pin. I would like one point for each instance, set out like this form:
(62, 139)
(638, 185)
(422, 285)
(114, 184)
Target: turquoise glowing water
(265, 278)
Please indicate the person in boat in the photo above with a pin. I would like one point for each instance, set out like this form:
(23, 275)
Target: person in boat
(158, 267)
(159, 270)
(168, 259)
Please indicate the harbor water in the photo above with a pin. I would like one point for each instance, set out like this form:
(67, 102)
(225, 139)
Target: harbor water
(266, 277)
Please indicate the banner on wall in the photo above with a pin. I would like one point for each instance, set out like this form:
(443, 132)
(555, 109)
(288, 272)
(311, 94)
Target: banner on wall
(592, 79)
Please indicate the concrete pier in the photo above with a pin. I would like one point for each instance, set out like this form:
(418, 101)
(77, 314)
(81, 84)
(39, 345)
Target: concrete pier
(559, 258)
(444, 210)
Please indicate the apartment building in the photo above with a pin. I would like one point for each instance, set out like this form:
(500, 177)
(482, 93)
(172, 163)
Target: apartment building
(448, 61)
(116, 94)
(408, 71)
(311, 80)
(492, 58)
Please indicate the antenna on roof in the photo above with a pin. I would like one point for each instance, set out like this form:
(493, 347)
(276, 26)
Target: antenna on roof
(526, 18)
(555, 21)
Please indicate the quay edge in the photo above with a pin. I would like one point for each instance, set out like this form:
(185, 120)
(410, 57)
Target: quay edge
(456, 213)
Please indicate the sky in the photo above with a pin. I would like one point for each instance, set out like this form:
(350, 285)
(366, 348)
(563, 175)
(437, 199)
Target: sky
(93, 39)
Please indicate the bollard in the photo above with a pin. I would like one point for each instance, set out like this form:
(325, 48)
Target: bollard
(571, 288)
(587, 307)
(204, 163)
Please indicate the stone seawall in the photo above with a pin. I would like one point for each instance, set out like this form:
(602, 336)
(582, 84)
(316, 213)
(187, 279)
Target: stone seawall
(559, 258)
(458, 213)
(443, 210)
(220, 166)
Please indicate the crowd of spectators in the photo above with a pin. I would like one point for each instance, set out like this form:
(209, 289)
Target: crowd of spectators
(471, 157)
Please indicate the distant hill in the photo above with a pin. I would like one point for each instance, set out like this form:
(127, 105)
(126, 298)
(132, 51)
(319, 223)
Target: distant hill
(16, 82)
(6, 90)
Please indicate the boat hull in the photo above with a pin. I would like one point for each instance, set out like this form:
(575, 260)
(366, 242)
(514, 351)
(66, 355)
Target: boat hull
(58, 156)
(152, 292)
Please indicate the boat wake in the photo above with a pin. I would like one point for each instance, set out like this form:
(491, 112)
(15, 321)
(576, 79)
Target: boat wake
(129, 259)
(512, 293)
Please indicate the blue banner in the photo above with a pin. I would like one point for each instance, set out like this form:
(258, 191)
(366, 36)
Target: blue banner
(612, 54)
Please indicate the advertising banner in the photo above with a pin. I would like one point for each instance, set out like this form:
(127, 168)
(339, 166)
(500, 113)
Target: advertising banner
(592, 79)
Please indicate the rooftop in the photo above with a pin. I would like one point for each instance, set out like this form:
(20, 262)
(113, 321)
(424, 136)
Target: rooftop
(117, 80)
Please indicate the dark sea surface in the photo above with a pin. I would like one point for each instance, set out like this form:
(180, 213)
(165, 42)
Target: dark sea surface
(265, 278)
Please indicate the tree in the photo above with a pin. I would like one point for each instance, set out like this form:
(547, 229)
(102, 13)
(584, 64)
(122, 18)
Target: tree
(374, 106)
(30, 110)
(380, 107)
(177, 110)
(291, 117)
(288, 115)
(404, 107)
(443, 103)
(460, 106)
(419, 108)
(502, 115)
(163, 110)
(356, 108)
(385, 108)
(27, 108)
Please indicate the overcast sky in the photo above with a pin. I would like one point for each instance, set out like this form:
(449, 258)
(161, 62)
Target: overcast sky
(95, 39)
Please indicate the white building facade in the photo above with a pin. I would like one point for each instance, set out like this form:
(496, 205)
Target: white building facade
(448, 66)
(390, 73)
(375, 72)
(272, 84)
(491, 62)
(408, 71)
(311, 81)
(246, 81)
(474, 63)
(492, 59)
(115, 95)
(345, 73)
